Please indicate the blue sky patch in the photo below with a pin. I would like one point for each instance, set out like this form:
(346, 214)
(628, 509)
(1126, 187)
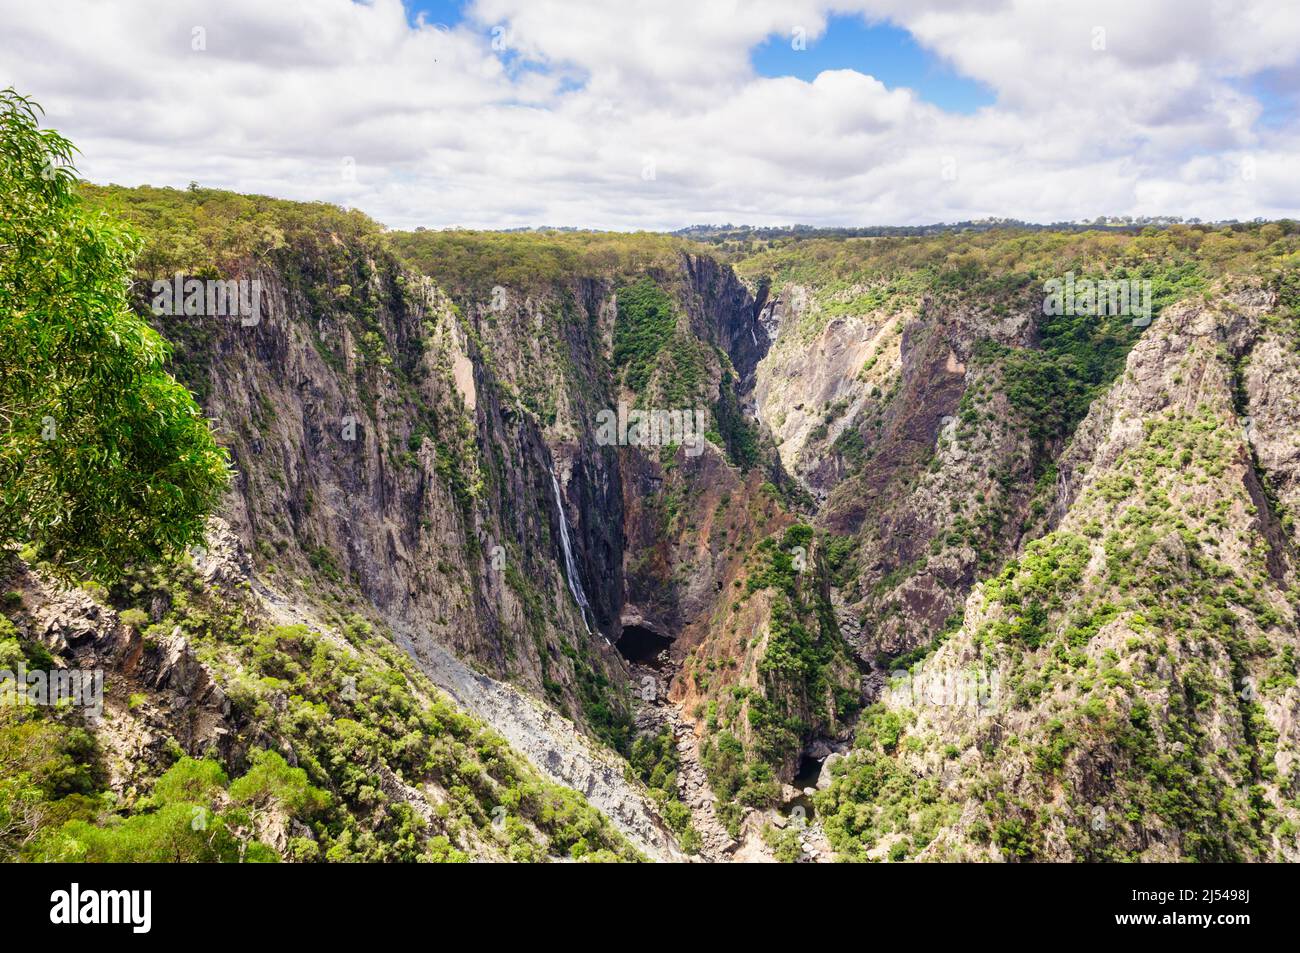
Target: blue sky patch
(1276, 91)
(882, 50)
(445, 12)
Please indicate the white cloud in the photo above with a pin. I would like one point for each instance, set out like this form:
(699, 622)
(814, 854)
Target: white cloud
(442, 131)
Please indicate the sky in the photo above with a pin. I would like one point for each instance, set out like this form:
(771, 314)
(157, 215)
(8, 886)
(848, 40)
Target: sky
(659, 114)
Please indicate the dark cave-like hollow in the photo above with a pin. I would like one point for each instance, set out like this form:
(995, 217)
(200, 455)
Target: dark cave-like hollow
(641, 646)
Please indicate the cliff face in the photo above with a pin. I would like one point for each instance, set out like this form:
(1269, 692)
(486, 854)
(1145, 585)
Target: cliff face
(884, 416)
(423, 448)
(379, 460)
(1129, 679)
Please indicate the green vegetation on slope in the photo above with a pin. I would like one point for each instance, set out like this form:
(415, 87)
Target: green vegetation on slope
(1002, 269)
(654, 761)
(471, 263)
(194, 815)
(345, 705)
(211, 233)
(806, 682)
(1077, 357)
(646, 322)
(1131, 698)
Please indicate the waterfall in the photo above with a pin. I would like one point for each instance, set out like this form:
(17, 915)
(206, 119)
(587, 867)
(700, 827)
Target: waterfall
(570, 567)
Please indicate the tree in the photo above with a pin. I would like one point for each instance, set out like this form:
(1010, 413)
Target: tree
(105, 460)
(271, 785)
(188, 818)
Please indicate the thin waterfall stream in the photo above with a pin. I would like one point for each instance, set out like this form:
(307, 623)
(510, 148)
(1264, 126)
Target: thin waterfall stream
(571, 567)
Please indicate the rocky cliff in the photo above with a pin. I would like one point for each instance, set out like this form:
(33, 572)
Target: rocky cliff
(1137, 663)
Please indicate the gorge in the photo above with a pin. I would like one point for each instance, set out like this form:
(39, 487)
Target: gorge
(912, 479)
